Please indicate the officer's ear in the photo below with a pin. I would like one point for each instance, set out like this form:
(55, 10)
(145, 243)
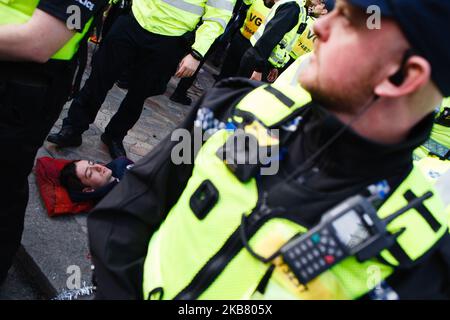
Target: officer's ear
(413, 75)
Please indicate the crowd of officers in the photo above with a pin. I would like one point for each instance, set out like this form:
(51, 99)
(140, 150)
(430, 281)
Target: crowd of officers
(172, 231)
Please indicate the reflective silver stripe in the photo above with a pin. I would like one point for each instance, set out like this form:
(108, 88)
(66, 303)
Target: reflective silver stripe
(221, 21)
(221, 4)
(185, 6)
(256, 36)
(276, 60)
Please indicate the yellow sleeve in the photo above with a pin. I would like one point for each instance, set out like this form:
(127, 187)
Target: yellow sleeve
(215, 19)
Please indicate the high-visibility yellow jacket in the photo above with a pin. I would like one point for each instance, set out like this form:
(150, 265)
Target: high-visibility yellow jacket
(256, 15)
(20, 11)
(176, 17)
(280, 54)
(305, 42)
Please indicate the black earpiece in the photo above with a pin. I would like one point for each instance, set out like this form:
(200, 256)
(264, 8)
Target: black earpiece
(398, 77)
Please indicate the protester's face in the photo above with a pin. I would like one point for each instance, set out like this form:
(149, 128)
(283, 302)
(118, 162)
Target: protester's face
(350, 59)
(92, 175)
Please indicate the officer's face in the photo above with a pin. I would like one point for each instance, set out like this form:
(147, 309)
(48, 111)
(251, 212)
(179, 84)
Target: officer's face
(350, 58)
(317, 8)
(92, 175)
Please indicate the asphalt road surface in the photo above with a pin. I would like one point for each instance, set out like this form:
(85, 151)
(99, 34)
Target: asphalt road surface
(18, 286)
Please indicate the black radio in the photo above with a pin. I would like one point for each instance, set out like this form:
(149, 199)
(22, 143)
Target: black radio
(351, 228)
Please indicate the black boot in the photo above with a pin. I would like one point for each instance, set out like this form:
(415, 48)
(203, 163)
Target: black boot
(66, 137)
(181, 98)
(115, 146)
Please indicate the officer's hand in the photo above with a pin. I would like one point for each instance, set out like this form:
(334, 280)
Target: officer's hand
(187, 67)
(273, 75)
(256, 76)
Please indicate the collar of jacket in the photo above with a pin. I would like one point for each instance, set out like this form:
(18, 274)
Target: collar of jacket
(354, 154)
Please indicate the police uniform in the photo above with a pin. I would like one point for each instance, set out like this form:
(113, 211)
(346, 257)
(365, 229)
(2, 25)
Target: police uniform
(279, 55)
(151, 40)
(31, 98)
(305, 42)
(208, 230)
(303, 45)
(264, 35)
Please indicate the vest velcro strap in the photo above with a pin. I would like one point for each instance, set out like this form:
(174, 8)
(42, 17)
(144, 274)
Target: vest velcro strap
(426, 214)
(280, 96)
(281, 106)
(400, 255)
(403, 259)
(424, 226)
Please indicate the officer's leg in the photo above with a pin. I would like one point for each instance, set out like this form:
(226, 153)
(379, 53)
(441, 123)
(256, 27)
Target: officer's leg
(149, 77)
(231, 63)
(28, 110)
(14, 200)
(112, 58)
(232, 60)
(247, 64)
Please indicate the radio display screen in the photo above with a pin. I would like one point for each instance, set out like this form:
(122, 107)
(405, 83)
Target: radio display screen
(351, 230)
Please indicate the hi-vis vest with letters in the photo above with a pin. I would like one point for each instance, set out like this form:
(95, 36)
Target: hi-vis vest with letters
(305, 42)
(20, 11)
(202, 257)
(256, 15)
(280, 54)
(439, 143)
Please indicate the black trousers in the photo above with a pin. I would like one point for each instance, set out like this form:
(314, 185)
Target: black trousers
(151, 59)
(239, 45)
(31, 99)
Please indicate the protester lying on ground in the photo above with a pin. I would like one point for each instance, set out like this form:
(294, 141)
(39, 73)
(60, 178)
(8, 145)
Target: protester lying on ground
(87, 180)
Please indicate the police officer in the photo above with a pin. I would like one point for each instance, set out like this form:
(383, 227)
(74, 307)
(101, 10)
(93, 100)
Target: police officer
(248, 53)
(152, 40)
(213, 230)
(305, 41)
(47, 34)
